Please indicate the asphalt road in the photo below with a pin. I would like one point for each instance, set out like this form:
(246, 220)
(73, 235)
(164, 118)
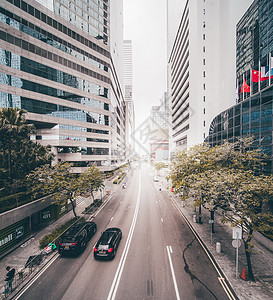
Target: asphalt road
(158, 257)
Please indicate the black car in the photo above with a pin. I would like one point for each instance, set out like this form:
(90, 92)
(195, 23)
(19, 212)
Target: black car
(107, 245)
(76, 237)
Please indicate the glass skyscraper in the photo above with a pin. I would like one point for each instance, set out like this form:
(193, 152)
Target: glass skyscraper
(55, 62)
(252, 116)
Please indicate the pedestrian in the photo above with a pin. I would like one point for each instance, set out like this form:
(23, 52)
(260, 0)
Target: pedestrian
(9, 278)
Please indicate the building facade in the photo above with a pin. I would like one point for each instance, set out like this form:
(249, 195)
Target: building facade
(252, 116)
(57, 63)
(201, 66)
(159, 130)
(129, 103)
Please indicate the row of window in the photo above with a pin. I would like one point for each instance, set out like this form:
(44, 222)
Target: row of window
(50, 39)
(40, 107)
(84, 150)
(51, 56)
(59, 26)
(26, 65)
(50, 91)
(84, 129)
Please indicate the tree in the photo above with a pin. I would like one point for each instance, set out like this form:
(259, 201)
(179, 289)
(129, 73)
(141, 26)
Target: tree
(92, 179)
(159, 165)
(12, 126)
(19, 155)
(227, 177)
(57, 180)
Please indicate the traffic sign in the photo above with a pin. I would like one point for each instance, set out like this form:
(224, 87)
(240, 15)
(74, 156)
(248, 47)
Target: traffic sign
(237, 233)
(234, 243)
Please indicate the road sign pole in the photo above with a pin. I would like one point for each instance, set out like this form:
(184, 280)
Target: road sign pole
(237, 253)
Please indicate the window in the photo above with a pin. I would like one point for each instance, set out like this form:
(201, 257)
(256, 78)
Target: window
(204, 24)
(204, 11)
(204, 98)
(204, 61)
(204, 110)
(204, 123)
(204, 73)
(204, 49)
(204, 36)
(204, 86)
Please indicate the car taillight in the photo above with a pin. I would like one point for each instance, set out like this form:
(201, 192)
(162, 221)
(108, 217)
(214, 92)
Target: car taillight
(73, 244)
(95, 249)
(110, 250)
(60, 243)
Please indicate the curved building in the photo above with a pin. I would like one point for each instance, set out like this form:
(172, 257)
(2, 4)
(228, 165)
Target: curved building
(57, 62)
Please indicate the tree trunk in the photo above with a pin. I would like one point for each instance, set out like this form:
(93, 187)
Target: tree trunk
(248, 254)
(9, 160)
(212, 220)
(200, 216)
(73, 205)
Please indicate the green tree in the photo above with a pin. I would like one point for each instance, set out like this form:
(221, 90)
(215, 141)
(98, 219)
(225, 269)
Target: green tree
(57, 180)
(18, 154)
(12, 125)
(92, 180)
(159, 165)
(227, 177)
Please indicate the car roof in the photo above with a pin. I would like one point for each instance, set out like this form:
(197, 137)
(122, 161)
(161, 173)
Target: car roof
(74, 229)
(113, 229)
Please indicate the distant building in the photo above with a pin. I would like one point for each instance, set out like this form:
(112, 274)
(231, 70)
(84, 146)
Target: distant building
(129, 103)
(253, 115)
(63, 64)
(201, 65)
(159, 131)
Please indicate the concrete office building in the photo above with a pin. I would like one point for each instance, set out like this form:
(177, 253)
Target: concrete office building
(62, 62)
(129, 103)
(201, 65)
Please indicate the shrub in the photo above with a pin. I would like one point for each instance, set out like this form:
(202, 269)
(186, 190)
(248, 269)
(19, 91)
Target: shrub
(51, 237)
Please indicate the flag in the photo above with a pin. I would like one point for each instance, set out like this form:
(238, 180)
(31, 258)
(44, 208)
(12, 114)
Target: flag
(255, 76)
(245, 88)
(263, 75)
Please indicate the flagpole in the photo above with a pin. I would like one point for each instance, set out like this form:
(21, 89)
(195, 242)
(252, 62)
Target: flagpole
(243, 87)
(270, 66)
(259, 82)
(251, 83)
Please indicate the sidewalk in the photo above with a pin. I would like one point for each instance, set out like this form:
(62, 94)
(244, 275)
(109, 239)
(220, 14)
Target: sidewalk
(17, 257)
(261, 257)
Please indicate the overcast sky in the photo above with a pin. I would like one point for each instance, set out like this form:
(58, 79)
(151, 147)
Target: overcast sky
(145, 25)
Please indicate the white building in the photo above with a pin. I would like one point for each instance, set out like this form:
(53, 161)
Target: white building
(129, 103)
(201, 65)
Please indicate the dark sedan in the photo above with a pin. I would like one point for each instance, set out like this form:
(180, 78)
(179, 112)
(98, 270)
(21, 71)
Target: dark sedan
(107, 245)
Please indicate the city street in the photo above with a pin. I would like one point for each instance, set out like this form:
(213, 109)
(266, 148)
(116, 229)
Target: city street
(158, 257)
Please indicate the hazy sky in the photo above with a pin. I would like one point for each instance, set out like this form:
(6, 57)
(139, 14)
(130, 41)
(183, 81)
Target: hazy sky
(145, 25)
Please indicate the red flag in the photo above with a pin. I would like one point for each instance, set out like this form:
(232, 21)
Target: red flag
(255, 76)
(245, 88)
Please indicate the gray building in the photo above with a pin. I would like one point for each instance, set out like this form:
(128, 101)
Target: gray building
(61, 61)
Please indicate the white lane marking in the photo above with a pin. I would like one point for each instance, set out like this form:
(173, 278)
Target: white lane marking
(173, 275)
(220, 278)
(111, 219)
(161, 220)
(115, 284)
(171, 249)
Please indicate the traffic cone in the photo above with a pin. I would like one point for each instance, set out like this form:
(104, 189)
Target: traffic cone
(243, 276)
